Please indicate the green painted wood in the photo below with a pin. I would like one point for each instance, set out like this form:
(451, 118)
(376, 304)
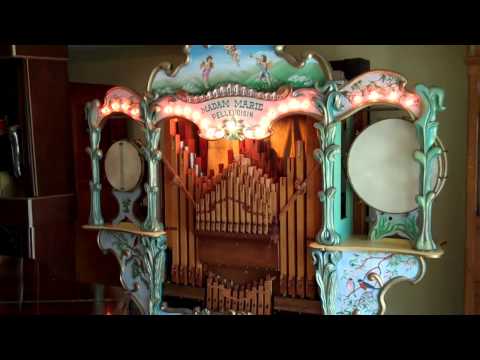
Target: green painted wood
(92, 113)
(427, 128)
(327, 156)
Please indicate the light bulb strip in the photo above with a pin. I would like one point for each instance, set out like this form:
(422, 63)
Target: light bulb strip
(238, 118)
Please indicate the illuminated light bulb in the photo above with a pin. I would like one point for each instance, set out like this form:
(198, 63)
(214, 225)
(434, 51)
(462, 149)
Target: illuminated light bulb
(272, 114)
(204, 124)
(260, 132)
(409, 101)
(158, 109)
(125, 106)
(196, 116)
(231, 126)
(294, 104)
(249, 133)
(187, 111)
(357, 99)
(219, 133)
(374, 96)
(115, 106)
(135, 111)
(393, 95)
(283, 108)
(305, 104)
(105, 110)
(211, 133)
(264, 121)
(178, 110)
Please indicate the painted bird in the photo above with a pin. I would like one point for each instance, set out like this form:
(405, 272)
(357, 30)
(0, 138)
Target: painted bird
(364, 285)
(350, 285)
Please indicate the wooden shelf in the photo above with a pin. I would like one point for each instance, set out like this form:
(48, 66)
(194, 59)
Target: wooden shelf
(125, 227)
(387, 245)
(303, 306)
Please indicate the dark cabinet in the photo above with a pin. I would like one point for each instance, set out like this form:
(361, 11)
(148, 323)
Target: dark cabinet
(37, 221)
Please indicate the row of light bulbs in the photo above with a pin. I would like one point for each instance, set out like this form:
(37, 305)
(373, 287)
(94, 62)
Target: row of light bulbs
(259, 131)
(122, 105)
(395, 96)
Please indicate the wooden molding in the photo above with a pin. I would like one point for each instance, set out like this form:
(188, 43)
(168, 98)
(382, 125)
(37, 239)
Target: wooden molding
(387, 245)
(129, 228)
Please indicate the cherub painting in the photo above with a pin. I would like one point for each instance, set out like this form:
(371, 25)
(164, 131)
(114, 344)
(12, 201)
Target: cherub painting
(207, 67)
(265, 66)
(232, 51)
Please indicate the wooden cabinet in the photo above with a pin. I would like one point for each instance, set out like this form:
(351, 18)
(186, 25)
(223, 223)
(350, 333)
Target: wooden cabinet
(37, 222)
(472, 255)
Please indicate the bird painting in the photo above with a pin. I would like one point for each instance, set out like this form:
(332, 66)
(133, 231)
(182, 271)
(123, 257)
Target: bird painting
(366, 286)
(350, 285)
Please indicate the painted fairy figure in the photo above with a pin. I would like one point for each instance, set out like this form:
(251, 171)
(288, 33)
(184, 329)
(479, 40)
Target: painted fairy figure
(232, 51)
(265, 66)
(206, 67)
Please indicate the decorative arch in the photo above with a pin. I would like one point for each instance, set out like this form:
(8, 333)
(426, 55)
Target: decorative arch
(374, 88)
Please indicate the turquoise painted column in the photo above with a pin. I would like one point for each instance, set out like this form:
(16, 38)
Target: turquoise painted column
(327, 156)
(152, 156)
(154, 261)
(326, 276)
(427, 128)
(92, 113)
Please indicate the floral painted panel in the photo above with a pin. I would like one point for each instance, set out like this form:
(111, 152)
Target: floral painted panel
(363, 275)
(124, 247)
(258, 67)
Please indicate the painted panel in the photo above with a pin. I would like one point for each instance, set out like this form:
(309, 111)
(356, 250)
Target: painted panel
(258, 67)
(142, 266)
(363, 276)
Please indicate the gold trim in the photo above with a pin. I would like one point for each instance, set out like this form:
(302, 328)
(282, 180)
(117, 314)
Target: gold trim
(324, 64)
(361, 243)
(279, 50)
(167, 68)
(125, 227)
(377, 278)
(386, 288)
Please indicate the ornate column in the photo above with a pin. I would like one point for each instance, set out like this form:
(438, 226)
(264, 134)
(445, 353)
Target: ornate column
(326, 276)
(152, 156)
(327, 157)
(427, 127)
(92, 113)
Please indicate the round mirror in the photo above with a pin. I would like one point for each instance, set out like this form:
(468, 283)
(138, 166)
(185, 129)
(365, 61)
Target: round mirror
(382, 169)
(123, 166)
